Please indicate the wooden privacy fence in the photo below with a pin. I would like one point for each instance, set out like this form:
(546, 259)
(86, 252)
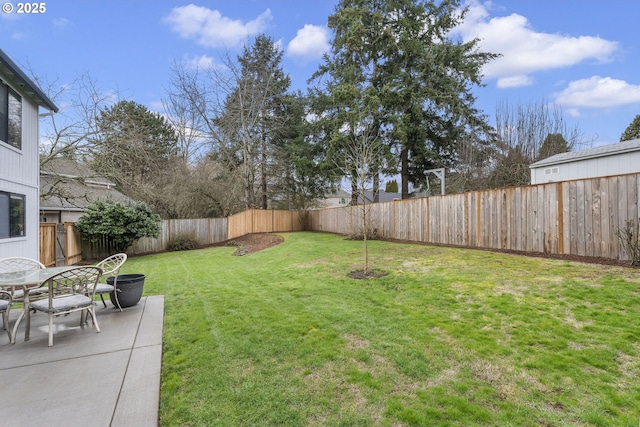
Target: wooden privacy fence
(59, 244)
(209, 231)
(204, 230)
(48, 244)
(572, 217)
(66, 246)
(264, 221)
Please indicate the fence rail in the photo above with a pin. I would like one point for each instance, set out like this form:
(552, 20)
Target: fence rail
(572, 217)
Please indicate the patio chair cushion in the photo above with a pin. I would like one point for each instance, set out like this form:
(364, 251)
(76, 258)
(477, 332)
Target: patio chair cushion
(4, 304)
(62, 304)
(103, 288)
(18, 295)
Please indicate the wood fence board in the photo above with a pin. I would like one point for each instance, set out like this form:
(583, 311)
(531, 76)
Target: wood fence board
(566, 217)
(540, 210)
(48, 244)
(631, 197)
(580, 229)
(512, 214)
(636, 216)
(532, 219)
(596, 212)
(460, 213)
(613, 214)
(73, 246)
(588, 217)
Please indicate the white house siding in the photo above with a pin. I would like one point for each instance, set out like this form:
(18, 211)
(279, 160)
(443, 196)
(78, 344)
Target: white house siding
(19, 173)
(598, 167)
(609, 160)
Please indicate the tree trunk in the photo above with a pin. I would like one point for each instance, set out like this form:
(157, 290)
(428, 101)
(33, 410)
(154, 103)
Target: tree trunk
(248, 180)
(376, 187)
(354, 192)
(404, 174)
(263, 172)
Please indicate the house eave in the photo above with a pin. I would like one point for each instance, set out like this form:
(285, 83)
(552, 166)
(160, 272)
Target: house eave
(9, 68)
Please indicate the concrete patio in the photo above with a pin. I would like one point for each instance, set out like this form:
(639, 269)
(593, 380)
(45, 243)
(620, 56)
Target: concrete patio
(111, 378)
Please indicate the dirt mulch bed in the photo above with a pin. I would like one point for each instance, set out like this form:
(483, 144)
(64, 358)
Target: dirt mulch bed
(252, 243)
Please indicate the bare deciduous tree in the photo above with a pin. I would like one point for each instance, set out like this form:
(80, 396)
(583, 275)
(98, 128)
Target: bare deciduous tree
(360, 160)
(187, 123)
(521, 132)
(67, 132)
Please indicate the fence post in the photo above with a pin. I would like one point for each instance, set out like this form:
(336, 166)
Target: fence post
(560, 219)
(61, 243)
(478, 220)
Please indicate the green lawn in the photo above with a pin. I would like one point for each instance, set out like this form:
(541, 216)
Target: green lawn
(450, 337)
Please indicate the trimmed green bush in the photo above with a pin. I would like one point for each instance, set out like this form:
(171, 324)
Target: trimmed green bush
(121, 224)
(183, 242)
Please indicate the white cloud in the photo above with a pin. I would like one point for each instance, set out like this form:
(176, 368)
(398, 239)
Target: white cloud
(210, 29)
(310, 42)
(524, 50)
(157, 107)
(598, 92)
(61, 22)
(18, 35)
(202, 62)
(514, 81)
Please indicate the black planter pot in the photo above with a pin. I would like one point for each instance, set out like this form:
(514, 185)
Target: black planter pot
(129, 288)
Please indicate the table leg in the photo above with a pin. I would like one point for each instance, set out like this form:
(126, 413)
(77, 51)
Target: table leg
(26, 312)
(27, 324)
(15, 327)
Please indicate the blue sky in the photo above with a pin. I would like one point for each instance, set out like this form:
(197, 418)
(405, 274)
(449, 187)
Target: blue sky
(582, 55)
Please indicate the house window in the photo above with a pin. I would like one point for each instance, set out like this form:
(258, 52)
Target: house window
(10, 117)
(12, 215)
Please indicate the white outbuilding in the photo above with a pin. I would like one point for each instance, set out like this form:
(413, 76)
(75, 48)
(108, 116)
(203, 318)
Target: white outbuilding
(607, 160)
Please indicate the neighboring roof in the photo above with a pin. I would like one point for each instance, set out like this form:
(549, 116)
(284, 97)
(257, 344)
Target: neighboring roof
(383, 196)
(339, 193)
(602, 151)
(76, 186)
(70, 168)
(8, 67)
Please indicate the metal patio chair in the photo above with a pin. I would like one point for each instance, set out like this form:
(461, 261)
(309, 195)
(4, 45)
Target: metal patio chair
(5, 306)
(68, 292)
(111, 268)
(15, 264)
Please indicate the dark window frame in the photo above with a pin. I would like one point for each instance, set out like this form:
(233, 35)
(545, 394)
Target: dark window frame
(12, 215)
(10, 117)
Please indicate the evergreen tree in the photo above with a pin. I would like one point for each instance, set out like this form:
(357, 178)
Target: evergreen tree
(302, 173)
(135, 148)
(632, 131)
(553, 144)
(253, 116)
(391, 187)
(393, 62)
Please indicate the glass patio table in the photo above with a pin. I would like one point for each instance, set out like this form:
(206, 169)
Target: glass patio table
(27, 281)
